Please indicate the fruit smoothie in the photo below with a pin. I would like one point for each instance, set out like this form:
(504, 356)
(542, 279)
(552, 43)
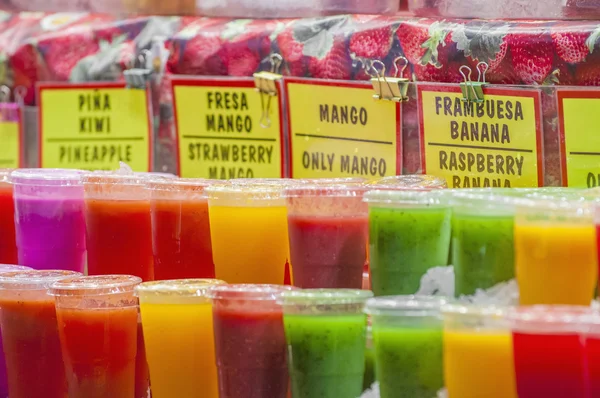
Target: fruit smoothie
(248, 223)
(549, 268)
(97, 324)
(549, 352)
(181, 229)
(328, 231)
(409, 233)
(407, 333)
(592, 355)
(482, 240)
(478, 353)
(369, 376)
(326, 336)
(250, 346)
(30, 335)
(49, 218)
(178, 328)
(119, 231)
(8, 245)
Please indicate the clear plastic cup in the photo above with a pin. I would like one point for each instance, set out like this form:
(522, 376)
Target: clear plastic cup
(31, 343)
(181, 229)
(591, 336)
(97, 324)
(8, 243)
(369, 376)
(250, 341)
(248, 225)
(483, 251)
(407, 332)
(178, 329)
(556, 260)
(478, 352)
(326, 337)
(49, 218)
(409, 233)
(328, 231)
(119, 231)
(549, 351)
(412, 181)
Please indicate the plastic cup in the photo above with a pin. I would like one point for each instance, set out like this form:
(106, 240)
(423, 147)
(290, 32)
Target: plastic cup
(407, 332)
(178, 329)
(369, 376)
(119, 231)
(250, 344)
(482, 239)
(6, 268)
(412, 181)
(591, 336)
(549, 351)
(248, 228)
(8, 243)
(34, 361)
(556, 260)
(326, 336)
(181, 229)
(409, 233)
(328, 230)
(478, 353)
(49, 218)
(97, 324)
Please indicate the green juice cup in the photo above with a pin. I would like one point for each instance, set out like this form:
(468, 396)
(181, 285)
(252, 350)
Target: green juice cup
(409, 233)
(325, 331)
(408, 336)
(483, 238)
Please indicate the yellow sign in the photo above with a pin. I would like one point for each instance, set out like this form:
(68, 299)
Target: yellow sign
(496, 143)
(579, 116)
(219, 130)
(10, 150)
(94, 127)
(340, 130)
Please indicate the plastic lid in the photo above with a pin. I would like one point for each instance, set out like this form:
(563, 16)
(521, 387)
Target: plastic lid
(95, 285)
(264, 181)
(406, 198)
(107, 178)
(53, 177)
(179, 287)
(4, 174)
(412, 181)
(333, 181)
(33, 280)
(549, 318)
(248, 292)
(417, 306)
(249, 191)
(326, 297)
(181, 184)
(4, 268)
(482, 201)
(339, 190)
(546, 206)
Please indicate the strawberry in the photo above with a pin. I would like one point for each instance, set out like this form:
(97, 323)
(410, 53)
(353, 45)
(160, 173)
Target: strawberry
(588, 72)
(335, 63)
(503, 73)
(26, 64)
(450, 73)
(482, 41)
(424, 45)
(411, 38)
(372, 43)
(571, 44)
(291, 51)
(564, 73)
(200, 57)
(242, 62)
(63, 51)
(532, 55)
(244, 44)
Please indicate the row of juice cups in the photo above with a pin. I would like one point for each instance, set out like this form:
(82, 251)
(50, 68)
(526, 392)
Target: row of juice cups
(64, 333)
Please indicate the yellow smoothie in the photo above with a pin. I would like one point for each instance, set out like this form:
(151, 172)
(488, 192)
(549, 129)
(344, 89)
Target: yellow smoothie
(556, 263)
(250, 244)
(479, 364)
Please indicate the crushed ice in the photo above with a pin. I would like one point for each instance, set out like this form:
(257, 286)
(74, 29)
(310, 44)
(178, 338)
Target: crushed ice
(438, 281)
(373, 392)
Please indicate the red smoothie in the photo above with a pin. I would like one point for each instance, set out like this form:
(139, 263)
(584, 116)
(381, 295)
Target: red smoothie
(8, 246)
(250, 344)
(592, 353)
(328, 252)
(549, 365)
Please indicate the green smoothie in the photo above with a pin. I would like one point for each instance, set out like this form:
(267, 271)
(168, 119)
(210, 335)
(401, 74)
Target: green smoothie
(482, 250)
(404, 243)
(369, 377)
(408, 361)
(326, 354)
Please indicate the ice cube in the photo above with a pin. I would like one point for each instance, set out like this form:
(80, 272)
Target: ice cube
(502, 294)
(438, 281)
(372, 392)
(443, 393)
(124, 169)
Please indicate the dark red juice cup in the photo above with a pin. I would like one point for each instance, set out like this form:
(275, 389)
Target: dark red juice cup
(98, 326)
(591, 336)
(549, 351)
(30, 337)
(328, 229)
(180, 229)
(250, 343)
(8, 244)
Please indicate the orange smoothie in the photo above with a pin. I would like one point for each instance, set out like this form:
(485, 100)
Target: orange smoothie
(556, 263)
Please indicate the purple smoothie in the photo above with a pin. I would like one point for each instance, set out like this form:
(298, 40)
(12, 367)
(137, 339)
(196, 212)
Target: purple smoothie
(50, 219)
